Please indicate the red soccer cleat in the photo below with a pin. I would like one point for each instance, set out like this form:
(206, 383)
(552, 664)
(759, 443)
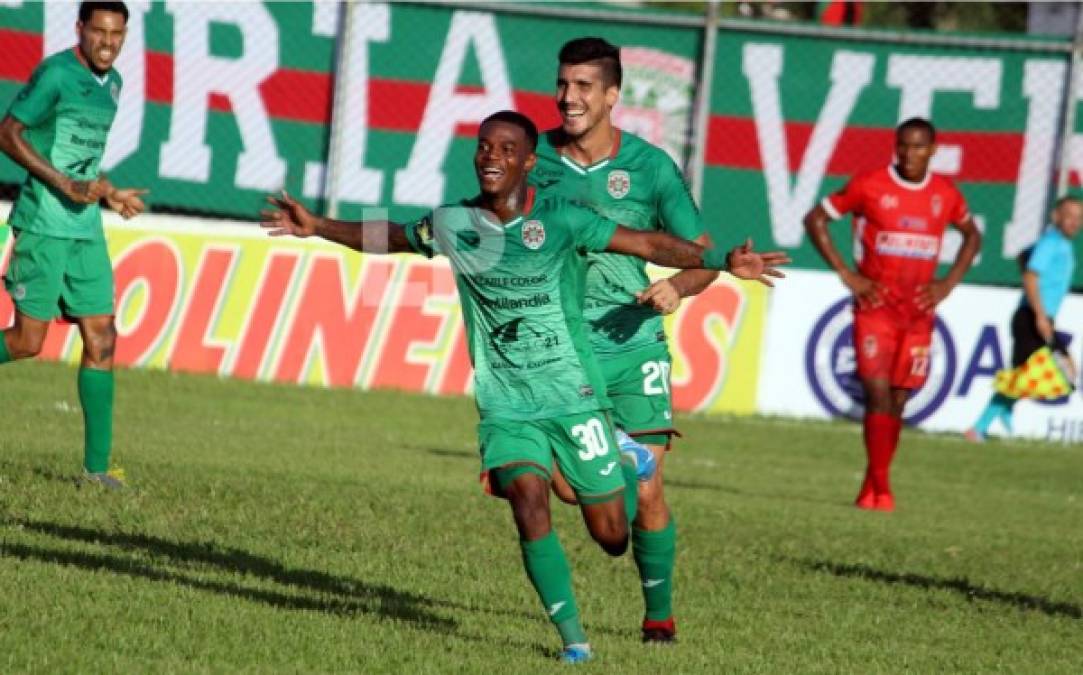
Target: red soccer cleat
(885, 501)
(866, 499)
(659, 632)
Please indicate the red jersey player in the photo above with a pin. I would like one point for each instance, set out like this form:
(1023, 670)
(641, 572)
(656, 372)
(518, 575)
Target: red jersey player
(900, 215)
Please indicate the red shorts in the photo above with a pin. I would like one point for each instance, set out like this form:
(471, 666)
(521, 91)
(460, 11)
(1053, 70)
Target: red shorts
(888, 349)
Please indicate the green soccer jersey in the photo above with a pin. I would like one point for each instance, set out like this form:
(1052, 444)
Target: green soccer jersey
(641, 188)
(68, 112)
(521, 303)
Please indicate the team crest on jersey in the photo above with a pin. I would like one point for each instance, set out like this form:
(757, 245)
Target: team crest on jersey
(869, 346)
(888, 202)
(936, 204)
(114, 91)
(618, 184)
(533, 234)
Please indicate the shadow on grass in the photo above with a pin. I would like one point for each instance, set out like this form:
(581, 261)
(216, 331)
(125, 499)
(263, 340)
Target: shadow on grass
(350, 595)
(960, 585)
(456, 454)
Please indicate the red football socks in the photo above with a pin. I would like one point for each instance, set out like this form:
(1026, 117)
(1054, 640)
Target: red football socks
(881, 440)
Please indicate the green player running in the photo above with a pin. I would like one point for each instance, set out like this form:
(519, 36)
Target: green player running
(57, 129)
(628, 180)
(537, 389)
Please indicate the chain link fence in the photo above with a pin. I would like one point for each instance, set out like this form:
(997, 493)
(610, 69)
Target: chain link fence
(355, 105)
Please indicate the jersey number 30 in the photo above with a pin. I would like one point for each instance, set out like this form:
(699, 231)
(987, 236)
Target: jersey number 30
(591, 435)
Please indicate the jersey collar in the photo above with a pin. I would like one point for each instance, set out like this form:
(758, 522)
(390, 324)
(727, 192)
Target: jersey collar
(527, 208)
(909, 185)
(584, 170)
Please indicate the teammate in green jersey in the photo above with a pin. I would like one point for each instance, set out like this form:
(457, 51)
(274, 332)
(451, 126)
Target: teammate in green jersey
(536, 387)
(626, 179)
(56, 129)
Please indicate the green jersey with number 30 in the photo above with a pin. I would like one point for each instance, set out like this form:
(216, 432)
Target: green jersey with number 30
(68, 112)
(641, 188)
(520, 297)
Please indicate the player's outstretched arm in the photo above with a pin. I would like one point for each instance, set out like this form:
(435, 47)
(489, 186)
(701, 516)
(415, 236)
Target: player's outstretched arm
(665, 295)
(931, 295)
(22, 153)
(867, 292)
(667, 250)
(290, 217)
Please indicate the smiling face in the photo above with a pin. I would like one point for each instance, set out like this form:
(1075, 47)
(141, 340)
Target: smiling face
(914, 148)
(584, 100)
(101, 38)
(503, 158)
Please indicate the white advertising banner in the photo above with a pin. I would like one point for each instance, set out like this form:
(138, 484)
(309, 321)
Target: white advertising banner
(809, 363)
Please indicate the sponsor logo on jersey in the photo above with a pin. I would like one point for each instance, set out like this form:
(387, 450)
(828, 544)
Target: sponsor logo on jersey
(533, 234)
(936, 204)
(536, 300)
(913, 222)
(888, 202)
(618, 184)
(505, 282)
(114, 91)
(905, 245)
(518, 340)
(831, 367)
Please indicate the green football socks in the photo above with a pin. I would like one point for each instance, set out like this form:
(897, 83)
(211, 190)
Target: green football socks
(5, 355)
(631, 489)
(551, 576)
(654, 552)
(96, 397)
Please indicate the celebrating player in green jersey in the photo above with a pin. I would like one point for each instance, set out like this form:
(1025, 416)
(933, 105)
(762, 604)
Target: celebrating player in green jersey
(628, 180)
(56, 129)
(537, 389)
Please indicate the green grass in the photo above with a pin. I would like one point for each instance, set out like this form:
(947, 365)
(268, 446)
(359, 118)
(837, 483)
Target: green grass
(287, 529)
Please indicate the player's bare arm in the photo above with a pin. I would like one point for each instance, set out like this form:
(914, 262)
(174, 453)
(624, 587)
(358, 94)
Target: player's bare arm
(667, 250)
(932, 294)
(867, 292)
(22, 153)
(290, 217)
(665, 295)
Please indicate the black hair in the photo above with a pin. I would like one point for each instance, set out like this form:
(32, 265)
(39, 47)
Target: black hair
(594, 49)
(917, 123)
(87, 9)
(1066, 199)
(518, 119)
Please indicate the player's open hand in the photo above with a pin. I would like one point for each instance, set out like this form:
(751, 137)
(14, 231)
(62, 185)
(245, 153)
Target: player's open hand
(289, 218)
(867, 293)
(932, 294)
(128, 202)
(744, 263)
(661, 296)
(86, 191)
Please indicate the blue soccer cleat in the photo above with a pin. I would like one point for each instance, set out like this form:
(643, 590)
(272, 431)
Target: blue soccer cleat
(640, 455)
(576, 654)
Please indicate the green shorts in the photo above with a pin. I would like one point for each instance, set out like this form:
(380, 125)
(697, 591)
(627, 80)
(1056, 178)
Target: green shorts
(50, 276)
(582, 444)
(638, 386)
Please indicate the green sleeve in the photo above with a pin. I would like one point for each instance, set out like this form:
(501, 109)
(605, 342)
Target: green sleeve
(677, 210)
(36, 101)
(590, 231)
(421, 236)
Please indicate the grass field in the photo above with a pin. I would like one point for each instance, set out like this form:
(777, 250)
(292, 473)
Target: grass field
(286, 529)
